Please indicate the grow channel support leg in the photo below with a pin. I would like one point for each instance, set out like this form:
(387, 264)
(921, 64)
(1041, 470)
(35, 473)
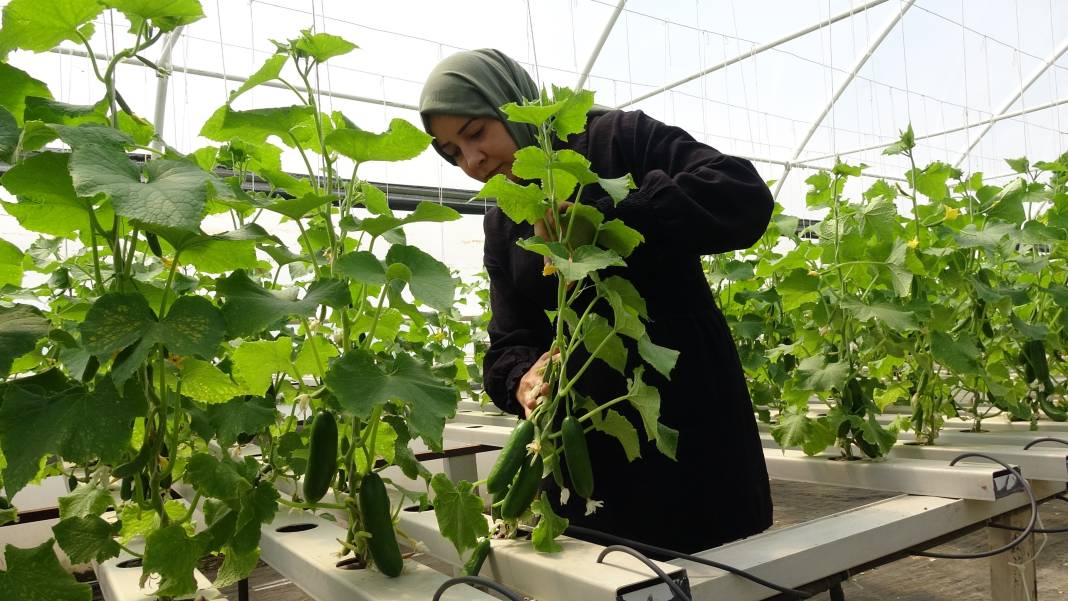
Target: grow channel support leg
(1012, 574)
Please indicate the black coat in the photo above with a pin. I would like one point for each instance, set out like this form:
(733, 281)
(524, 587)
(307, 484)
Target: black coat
(691, 200)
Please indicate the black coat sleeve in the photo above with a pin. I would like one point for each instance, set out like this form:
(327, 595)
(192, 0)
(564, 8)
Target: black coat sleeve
(519, 331)
(690, 195)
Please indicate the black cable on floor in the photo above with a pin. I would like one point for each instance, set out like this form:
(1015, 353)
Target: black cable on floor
(677, 555)
(1045, 439)
(1027, 530)
(486, 582)
(675, 588)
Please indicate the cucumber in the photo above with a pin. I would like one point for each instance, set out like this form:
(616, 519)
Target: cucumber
(522, 493)
(577, 457)
(126, 489)
(374, 504)
(474, 563)
(511, 458)
(322, 457)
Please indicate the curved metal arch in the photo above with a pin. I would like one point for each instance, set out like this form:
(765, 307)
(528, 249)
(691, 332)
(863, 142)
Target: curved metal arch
(861, 60)
(755, 51)
(1012, 100)
(600, 44)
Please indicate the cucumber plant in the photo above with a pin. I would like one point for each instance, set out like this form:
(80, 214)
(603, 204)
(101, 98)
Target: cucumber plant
(581, 243)
(954, 308)
(155, 349)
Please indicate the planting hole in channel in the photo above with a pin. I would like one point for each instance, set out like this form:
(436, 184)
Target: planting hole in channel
(470, 427)
(296, 527)
(129, 563)
(417, 509)
(352, 563)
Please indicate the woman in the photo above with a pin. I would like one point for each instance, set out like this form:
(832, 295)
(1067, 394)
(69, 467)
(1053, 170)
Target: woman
(691, 200)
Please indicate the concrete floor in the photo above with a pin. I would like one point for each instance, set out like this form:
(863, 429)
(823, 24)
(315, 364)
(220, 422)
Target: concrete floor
(909, 579)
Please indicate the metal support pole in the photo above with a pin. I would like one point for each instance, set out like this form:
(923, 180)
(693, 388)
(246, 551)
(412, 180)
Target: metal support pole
(269, 84)
(1008, 103)
(842, 88)
(755, 51)
(991, 120)
(164, 75)
(600, 44)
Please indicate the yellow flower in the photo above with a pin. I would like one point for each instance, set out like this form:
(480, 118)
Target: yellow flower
(914, 243)
(549, 269)
(813, 273)
(952, 213)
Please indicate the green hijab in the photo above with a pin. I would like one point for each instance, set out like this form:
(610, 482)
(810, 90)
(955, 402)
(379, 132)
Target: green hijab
(476, 83)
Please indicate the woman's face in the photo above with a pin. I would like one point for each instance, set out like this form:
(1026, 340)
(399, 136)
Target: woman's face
(481, 146)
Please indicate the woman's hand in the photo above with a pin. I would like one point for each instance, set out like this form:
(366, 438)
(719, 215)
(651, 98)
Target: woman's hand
(533, 389)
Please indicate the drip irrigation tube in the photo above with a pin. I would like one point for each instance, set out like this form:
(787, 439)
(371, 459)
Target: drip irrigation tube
(1045, 439)
(693, 558)
(486, 582)
(1024, 533)
(675, 588)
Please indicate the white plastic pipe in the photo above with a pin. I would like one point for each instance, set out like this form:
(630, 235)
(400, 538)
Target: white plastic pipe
(600, 44)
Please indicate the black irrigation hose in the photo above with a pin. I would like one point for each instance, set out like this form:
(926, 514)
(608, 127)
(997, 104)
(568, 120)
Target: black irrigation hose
(486, 582)
(1009, 545)
(677, 555)
(1062, 497)
(675, 588)
(1045, 439)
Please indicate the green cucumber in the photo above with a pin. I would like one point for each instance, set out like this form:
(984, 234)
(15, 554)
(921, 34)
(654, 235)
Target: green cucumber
(473, 565)
(126, 489)
(577, 457)
(511, 458)
(322, 457)
(374, 504)
(522, 492)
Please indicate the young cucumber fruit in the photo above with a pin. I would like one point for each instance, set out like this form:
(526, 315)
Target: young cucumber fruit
(374, 504)
(577, 457)
(526, 485)
(322, 457)
(474, 563)
(511, 458)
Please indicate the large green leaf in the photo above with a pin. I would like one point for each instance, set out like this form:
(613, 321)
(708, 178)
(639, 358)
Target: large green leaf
(256, 362)
(51, 111)
(519, 203)
(9, 135)
(76, 423)
(431, 281)
(960, 355)
(459, 512)
(165, 15)
(86, 539)
(613, 423)
(241, 416)
(218, 479)
(250, 308)
(402, 141)
(256, 125)
(425, 212)
(268, 71)
(204, 382)
(224, 252)
(363, 267)
(115, 321)
(173, 555)
(40, 25)
(891, 315)
(193, 326)
(817, 374)
(172, 196)
(549, 527)
(585, 260)
(47, 201)
(360, 385)
(21, 326)
(35, 575)
(15, 86)
(619, 237)
(660, 357)
(84, 501)
(646, 399)
(603, 343)
(321, 46)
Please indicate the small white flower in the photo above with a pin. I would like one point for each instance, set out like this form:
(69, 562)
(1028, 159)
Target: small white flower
(565, 494)
(303, 402)
(592, 506)
(420, 547)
